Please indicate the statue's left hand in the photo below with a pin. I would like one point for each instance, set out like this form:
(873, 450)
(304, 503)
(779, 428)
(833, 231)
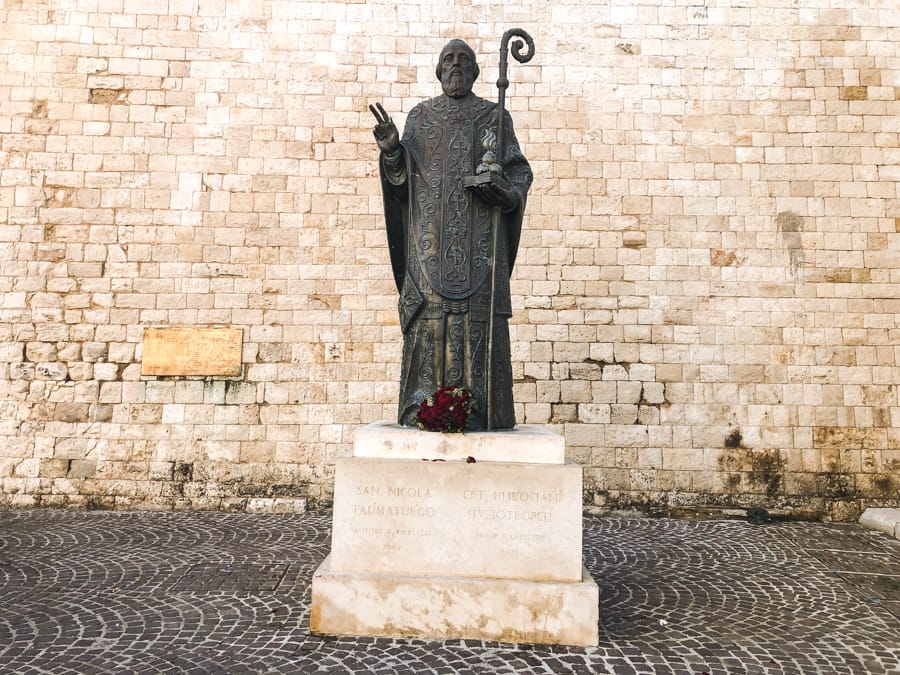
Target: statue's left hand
(498, 193)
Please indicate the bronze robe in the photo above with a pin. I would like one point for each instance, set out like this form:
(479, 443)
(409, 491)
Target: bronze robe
(439, 236)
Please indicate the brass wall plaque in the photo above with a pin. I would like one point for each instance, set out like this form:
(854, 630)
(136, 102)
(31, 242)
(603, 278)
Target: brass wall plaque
(192, 351)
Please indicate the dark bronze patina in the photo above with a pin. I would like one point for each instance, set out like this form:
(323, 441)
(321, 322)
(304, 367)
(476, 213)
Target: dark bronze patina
(454, 194)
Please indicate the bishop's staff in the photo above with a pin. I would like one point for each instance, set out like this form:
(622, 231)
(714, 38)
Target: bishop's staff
(487, 168)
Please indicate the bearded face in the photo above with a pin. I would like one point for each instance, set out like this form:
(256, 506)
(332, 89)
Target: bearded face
(457, 70)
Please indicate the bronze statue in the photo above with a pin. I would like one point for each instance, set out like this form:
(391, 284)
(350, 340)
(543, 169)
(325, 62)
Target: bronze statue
(455, 187)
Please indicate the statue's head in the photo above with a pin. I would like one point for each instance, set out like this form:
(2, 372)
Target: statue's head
(457, 69)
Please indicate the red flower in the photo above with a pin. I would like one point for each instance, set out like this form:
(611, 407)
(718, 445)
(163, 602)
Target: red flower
(446, 410)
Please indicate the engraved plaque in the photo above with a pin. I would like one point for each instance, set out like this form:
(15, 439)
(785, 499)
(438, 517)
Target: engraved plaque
(488, 519)
(192, 351)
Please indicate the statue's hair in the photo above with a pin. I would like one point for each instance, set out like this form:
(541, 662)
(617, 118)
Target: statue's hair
(475, 69)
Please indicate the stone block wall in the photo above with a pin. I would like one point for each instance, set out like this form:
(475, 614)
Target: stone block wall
(708, 288)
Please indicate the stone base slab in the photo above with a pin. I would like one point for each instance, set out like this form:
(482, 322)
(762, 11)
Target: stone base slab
(455, 607)
(525, 443)
(886, 520)
(276, 505)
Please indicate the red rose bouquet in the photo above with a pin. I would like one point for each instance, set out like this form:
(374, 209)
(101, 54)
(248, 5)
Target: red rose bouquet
(447, 409)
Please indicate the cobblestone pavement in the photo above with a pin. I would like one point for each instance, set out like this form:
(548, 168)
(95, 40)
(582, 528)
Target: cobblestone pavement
(105, 592)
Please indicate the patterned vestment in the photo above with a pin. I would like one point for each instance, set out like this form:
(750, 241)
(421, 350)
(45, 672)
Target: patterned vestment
(440, 239)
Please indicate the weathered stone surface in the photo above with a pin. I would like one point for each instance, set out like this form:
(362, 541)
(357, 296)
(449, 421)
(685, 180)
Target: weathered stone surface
(455, 607)
(191, 351)
(456, 548)
(729, 257)
(487, 519)
(886, 520)
(275, 505)
(82, 468)
(526, 443)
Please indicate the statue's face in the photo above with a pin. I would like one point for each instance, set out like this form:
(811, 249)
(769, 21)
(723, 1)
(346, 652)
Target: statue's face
(457, 68)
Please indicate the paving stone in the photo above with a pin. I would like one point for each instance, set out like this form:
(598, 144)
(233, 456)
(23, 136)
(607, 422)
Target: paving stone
(228, 576)
(102, 592)
(859, 561)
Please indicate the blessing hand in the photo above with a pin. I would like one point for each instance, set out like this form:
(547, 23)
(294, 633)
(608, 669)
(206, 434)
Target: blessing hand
(385, 131)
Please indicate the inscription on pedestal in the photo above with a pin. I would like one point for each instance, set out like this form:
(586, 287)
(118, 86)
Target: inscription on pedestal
(192, 351)
(484, 519)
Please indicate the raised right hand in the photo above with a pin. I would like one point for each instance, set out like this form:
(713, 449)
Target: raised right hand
(385, 131)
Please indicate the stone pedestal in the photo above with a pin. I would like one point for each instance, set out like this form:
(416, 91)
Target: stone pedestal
(427, 543)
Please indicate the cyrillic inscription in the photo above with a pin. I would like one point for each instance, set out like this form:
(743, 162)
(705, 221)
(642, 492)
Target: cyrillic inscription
(482, 519)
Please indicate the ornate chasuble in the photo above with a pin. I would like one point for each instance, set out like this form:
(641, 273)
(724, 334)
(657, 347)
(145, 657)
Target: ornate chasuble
(439, 235)
(451, 227)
